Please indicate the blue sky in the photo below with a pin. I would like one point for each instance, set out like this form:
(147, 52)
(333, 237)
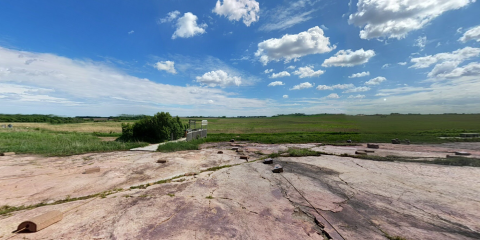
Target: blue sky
(239, 57)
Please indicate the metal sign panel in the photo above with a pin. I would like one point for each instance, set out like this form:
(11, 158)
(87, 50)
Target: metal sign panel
(204, 122)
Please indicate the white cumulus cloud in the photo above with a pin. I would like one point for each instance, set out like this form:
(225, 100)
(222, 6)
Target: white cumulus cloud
(445, 62)
(285, 96)
(276, 83)
(471, 34)
(343, 86)
(219, 78)
(349, 58)
(294, 46)
(396, 18)
(268, 71)
(333, 96)
(170, 17)
(238, 9)
(302, 86)
(362, 74)
(324, 87)
(187, 26)
(357, 96)
(452, 71)
(307, 71)
(357, 89)
(166, 66)
(280, 74)
(402, 63)
(375, 81)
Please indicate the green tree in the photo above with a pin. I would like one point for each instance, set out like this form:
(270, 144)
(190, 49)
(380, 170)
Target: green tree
(153, 129)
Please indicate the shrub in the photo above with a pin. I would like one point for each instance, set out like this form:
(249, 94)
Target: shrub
(153, 129)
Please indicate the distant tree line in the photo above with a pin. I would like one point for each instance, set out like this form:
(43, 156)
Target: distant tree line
(38, 118)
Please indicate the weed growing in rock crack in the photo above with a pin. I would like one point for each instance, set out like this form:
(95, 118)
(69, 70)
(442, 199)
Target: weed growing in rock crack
(217, 168)
(297, 152)
(451, 161)
(209, 197)
(388, 236)
(8, 209)
(171, 194)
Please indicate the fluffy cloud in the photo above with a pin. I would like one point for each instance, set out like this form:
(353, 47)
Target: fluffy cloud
(362, 74)
(285, 96)
(375, 81)
(357, 89)
(166, 66)
(187, 26)
(238, 9)
(324, 87)
(343, 86)
(219, 78)
(308, 72)
(337, 86)
(445, 62)
(170, 17)
(333, 96)
(276, 83)
(357, 97)
(349, 58)
(294, 46)
(471, 34)
(459, 55)
(402, 63)
(280, 74)
(268, 71)
(291, 67)
(452, 71)
(396, 18)
(131, 32)
(302, 86)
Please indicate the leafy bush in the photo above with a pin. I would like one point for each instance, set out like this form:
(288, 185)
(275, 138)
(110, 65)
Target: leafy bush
(153, 129)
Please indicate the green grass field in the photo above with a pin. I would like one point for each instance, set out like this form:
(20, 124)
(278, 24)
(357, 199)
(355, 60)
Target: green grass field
(50, 143)
(76, 138)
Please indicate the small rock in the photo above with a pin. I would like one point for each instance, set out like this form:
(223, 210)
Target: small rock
(244, 157)
(462, 153)
(407, 141)
(372, 146)
(360, 152)
(349, 141)
(232, 140)
(7, 154)
(268, 161)
(161, 161)
(190, 174)
(369, 151)
(235, 148)
(278, 169)
(220, 152)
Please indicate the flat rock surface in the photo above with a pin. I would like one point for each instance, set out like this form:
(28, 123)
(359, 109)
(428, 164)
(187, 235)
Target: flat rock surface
(342, 197)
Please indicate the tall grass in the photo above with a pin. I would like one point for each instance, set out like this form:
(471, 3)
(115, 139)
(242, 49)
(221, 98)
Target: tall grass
(57, 144)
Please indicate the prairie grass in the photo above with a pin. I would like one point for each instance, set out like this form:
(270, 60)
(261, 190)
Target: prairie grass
(57, 144)
(86, 127)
